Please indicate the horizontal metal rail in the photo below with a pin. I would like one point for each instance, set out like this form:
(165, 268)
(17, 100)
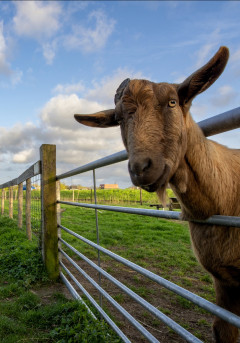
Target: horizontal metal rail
(102, 162)
(75, 294)
(160, 315)
(214, 220)
(34, 170)
(220, 123)
(197, 300)
(127, 315)
(95, 304)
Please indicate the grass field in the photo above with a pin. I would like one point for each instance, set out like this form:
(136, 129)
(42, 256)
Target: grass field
(161, 246)
(105, 195)
(32, 309)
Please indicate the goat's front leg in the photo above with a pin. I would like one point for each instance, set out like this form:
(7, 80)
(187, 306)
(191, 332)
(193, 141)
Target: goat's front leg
(228, 298)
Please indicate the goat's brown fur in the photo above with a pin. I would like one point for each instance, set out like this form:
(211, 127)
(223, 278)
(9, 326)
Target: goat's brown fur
(165, 145)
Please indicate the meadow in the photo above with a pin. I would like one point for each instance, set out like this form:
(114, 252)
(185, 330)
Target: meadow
(32, 308)
(162, 246)
(104, 195)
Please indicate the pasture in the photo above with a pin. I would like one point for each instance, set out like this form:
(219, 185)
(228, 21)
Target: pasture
(159, 245)
(162, 246)
(32, 308)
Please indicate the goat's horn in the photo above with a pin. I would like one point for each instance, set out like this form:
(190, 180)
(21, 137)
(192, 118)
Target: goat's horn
(120, 90)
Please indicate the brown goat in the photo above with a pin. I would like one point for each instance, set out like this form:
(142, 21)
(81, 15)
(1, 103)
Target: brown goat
(164, 146)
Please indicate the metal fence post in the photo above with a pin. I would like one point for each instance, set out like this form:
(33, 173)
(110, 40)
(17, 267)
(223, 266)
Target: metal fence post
(49, 211)
(28, 209)
(58, 198)
(20, 204)
(97, 231)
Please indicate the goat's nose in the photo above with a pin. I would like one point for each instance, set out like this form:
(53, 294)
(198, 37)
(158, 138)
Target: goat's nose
(140, 167)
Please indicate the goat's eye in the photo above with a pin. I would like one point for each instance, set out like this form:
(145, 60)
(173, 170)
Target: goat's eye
(172, 103)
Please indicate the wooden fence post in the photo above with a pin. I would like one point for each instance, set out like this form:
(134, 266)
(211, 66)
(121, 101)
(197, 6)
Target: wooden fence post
(20, 204)
(11, 202)
(3, 198)
(28, 209)
(49, 211)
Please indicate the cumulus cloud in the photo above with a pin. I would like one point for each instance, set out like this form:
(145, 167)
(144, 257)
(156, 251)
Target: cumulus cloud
(40, 21)
(37, 19)
(69, 88)
(90, 39)
(104, 90)
(58, 111)
(24, 156)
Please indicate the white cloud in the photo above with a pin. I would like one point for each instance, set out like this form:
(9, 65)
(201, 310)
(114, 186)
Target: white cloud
(69, 88)
(24, 156)
(90, 39)
(49, 51)
(37, 19)
(59, 110)
(104, 90)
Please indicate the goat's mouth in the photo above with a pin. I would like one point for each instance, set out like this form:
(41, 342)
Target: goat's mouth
(157, 184)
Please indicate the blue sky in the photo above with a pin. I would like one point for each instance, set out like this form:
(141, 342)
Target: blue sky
(62, 57)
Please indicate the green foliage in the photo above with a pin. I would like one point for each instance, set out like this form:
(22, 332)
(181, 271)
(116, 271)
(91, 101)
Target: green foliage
(23, 316)
(75, 325)
(19, 258)
(113, 195)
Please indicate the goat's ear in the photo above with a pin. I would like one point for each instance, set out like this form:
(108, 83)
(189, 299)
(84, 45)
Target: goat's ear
(203, 77)
(99, 119)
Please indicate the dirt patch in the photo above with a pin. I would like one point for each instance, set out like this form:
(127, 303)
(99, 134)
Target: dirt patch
(46, 293)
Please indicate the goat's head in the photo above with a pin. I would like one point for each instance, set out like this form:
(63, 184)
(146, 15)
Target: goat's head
(152, 117)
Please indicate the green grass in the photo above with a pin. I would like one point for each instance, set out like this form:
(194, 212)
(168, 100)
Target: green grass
(104, 195)
(162, 244)
(24, 316)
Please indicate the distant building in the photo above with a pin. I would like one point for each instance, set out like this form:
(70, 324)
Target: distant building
(109, 186)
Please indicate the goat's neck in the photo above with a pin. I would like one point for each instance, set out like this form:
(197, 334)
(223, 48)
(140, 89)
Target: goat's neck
(200, 180)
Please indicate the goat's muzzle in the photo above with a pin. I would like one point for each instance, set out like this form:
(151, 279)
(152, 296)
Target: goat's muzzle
(147, 174)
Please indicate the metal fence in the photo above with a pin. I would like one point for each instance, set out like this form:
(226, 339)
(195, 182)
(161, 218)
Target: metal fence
(20, 199)
(221, 123)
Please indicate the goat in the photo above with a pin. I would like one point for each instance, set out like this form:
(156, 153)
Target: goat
(165, 146)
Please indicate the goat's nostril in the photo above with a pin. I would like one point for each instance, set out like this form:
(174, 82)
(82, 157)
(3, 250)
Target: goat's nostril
(140, 167)
(146, 165)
